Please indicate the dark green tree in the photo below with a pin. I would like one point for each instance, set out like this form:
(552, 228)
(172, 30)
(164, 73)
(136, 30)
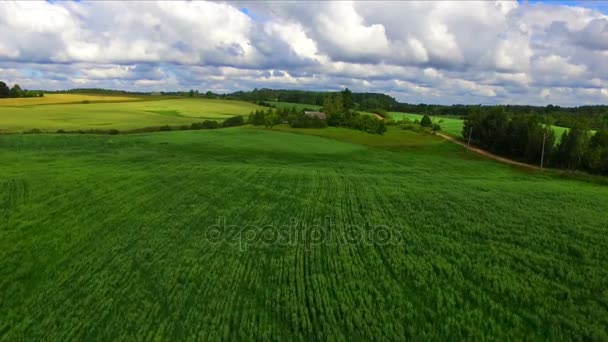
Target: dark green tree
(4, 90)
(426, 121)
(16, 91)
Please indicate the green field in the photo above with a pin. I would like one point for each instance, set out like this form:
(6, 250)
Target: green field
(67, 112)
(247, 233)
(451, 126)
(298, 106)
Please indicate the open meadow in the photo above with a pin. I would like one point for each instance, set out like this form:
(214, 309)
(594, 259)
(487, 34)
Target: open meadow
(74, 112)
(294, 234)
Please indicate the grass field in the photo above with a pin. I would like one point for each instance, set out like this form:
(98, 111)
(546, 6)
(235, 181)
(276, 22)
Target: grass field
(292, 234)
(298, 106)
(451, 126)
(112, 112)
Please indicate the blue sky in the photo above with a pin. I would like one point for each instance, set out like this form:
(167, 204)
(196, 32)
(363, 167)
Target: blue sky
(597, 5)
(433, 52)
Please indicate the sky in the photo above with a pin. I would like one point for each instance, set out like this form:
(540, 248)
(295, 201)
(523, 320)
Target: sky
(447, 52)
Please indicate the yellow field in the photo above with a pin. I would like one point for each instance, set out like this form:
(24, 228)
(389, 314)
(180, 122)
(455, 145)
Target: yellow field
(68, 112)
(64, 98)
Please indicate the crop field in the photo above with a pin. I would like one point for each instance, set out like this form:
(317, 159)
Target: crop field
(112, 112)
(248, 233)
(65, 99)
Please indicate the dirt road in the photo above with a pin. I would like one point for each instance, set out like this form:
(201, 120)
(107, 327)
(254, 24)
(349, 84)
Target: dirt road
(487, 154)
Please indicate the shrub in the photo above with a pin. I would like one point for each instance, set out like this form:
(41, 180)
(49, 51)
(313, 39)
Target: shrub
(33, 131)
(436, 128)
(306, 121)
(426, 121)
(164, 128)
(210, 124)
(234, 121)
(86, 101)
(60, 131)
(113, 132)
(257, 118)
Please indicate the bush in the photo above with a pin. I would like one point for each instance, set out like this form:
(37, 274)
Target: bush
(436, 128)
(234, 121)
(164, 128)
(33, 131)
(306, 121)
(257, 118)
(86, 102)
(60, 131)
(210, 124)
(426, 121)
(113, 132)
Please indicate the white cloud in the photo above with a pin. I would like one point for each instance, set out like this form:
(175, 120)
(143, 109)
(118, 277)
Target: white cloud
(447, 52)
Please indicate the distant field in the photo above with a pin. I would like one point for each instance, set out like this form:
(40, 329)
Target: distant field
(298, 106)
(292, 234)
(451, 126)
(111, 112)
(64, 98)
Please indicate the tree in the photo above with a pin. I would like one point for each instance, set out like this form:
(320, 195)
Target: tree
(234, 121)
(333, 106)
(16, 91)
(597, 154)
(572, 148)
(257, 118)
(426, 121)
(347, 102)
(4, 90)
(271, 119)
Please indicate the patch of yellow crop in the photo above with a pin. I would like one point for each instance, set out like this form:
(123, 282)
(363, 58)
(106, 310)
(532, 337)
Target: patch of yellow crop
(63, 98)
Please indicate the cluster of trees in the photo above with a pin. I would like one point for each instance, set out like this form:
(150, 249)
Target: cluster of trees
(291, 116)
(594, 117)
(360, 101)
(340, 110)
(16, 91)
(526, 138)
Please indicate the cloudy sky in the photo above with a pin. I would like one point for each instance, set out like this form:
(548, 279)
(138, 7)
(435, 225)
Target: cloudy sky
(435, 52)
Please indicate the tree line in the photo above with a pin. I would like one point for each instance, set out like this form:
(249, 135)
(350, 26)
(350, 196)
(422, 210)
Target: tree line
(593, 117)
(338, 108)
(527, 138)
(16, 91)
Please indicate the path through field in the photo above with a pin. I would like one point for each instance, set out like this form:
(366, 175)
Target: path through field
(486, 153)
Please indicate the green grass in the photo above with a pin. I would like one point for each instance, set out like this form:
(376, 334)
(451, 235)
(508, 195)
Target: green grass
(113, 238)
(100, 113)
(298, 106)
(451, 126)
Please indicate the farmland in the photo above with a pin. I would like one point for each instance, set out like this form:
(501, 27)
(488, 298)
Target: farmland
(73, 112)
(247, 233)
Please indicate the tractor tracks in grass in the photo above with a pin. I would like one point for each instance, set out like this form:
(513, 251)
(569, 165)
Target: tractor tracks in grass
(488, 154)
